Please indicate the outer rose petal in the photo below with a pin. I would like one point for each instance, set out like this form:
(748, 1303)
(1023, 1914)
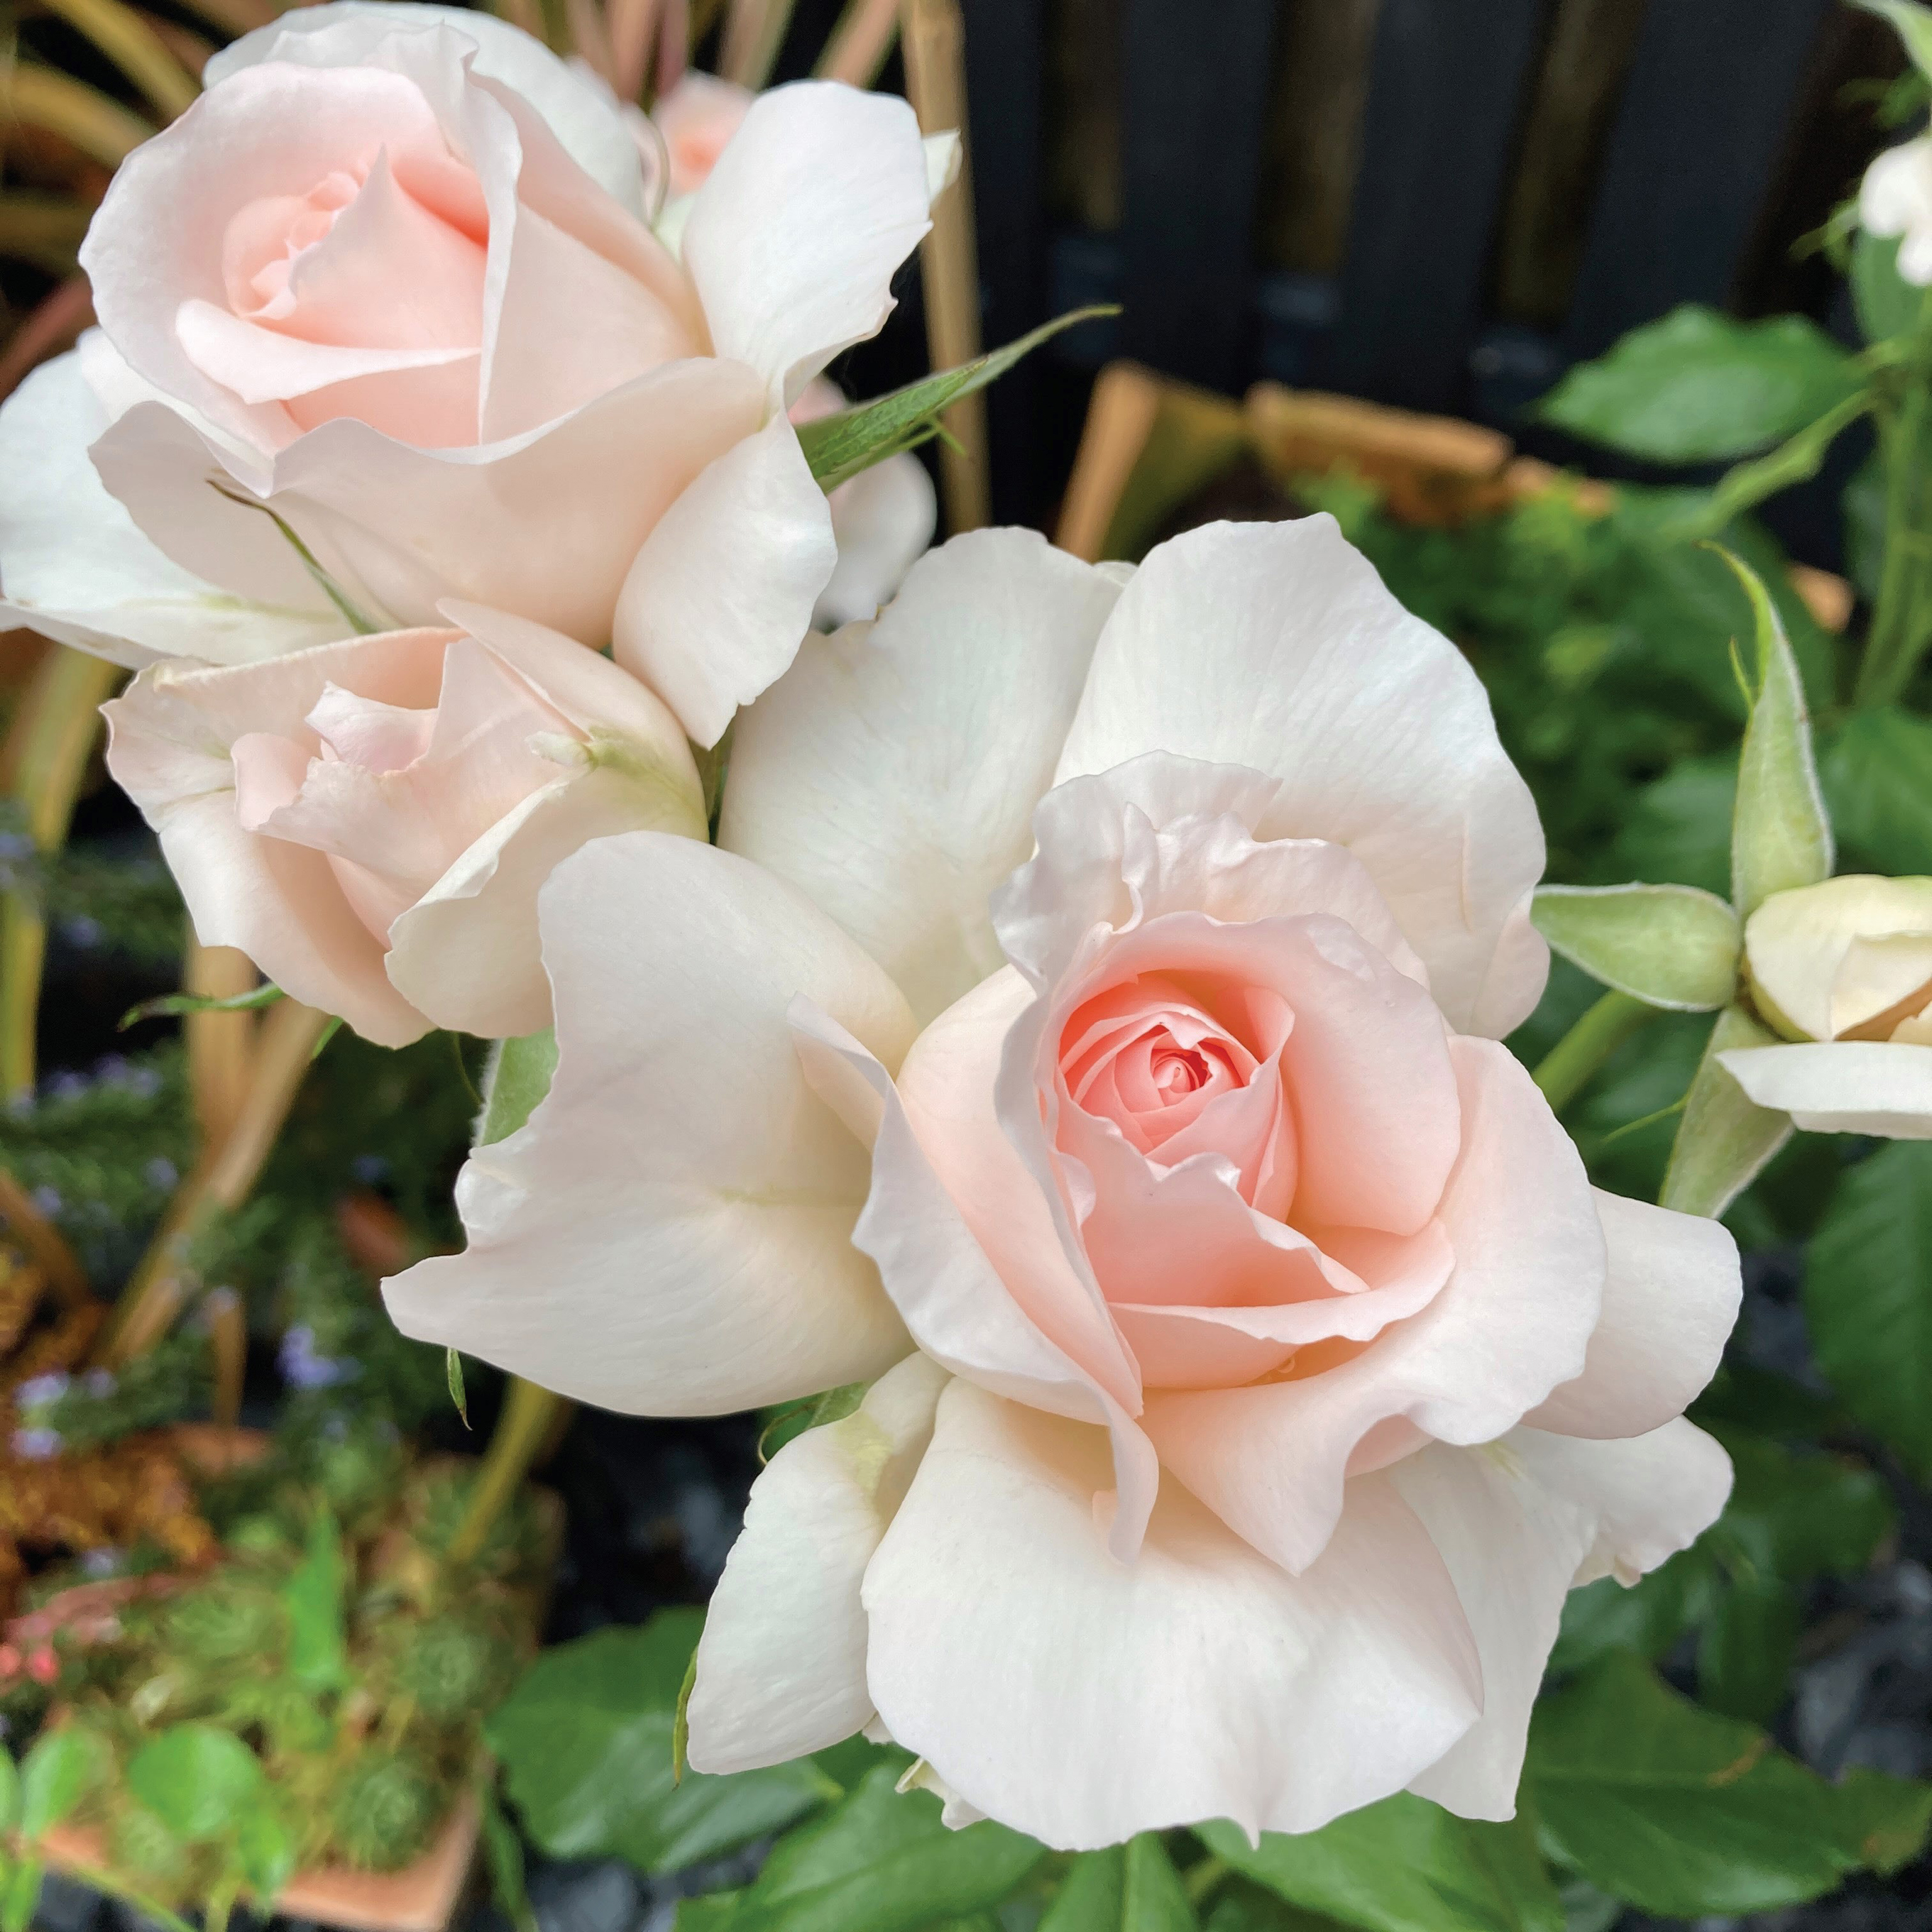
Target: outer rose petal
(545, 526)
(1518, 1521)
(781, 1665)
(1511, 1324)
(1275, 646)
(883, 520)
(670, 1234)
(74, 566)
(466, 953)
(1841, 1087)
(1670, 1301)
(707, 620)
(1084, 1700)
(277, 901)
(892, 773)
(794, 239)
(580, 116)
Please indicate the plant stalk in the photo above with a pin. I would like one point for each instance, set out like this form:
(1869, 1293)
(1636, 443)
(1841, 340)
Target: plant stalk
(1901, 626)
(1566, 1069)
(46, 759)
(530, 1420)
(221, 1181)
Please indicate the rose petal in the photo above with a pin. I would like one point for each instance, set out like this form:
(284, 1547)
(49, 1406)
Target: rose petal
(1275, 647)
(1841, 1087)
(671, 1232)
(892, 773)
(1670, 1301)
(882, 519)
(782, 1664)
(585, 120)
(794, 239)
(1511, 1324)
(709, 621)
(1190, 1669)
(74, 567)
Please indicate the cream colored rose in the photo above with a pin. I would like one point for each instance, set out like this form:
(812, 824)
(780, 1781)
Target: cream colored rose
(391, 277)
(1843, 970)
(1091, 1040)
(1896, 199)
(370, 821)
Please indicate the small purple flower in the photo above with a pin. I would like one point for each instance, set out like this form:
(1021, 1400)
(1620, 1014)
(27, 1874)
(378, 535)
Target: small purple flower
(160, 1173)
(99, 1383)
(66, 1085)
(39, 1391)
(36, 1445)
(48, 1201)
(302, 1368)
(369, 1168)
(100, 1563)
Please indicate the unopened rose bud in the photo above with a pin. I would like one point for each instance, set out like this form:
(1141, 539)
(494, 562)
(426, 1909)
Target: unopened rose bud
(1850, 958)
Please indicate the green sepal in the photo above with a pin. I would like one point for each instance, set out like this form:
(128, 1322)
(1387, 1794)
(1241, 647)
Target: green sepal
(1673, 947)
(1724, 1138)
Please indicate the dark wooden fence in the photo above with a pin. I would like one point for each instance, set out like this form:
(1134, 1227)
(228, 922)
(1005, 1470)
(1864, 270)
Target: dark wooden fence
(1437, 203)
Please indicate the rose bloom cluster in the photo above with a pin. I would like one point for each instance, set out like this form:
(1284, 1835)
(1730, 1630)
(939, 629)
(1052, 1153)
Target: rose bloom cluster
(1084, 1032)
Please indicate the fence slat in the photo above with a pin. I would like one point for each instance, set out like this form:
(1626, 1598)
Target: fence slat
(1445, 91)
(1194, 96)
(1703, 117)
(1005, 57)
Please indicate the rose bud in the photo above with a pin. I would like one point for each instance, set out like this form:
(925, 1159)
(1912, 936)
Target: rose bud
(1843, 970)
(370, 821)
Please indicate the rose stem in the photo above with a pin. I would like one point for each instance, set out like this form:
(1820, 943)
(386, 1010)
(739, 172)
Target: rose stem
(529, 1423)
(934, 41)
(1563, 1071)
(220, 1045)
(45, 760)
(219, 1184)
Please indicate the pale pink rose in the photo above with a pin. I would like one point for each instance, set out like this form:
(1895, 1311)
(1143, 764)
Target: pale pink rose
(698, 118)
(391, 276)
(1253, 1368)
(370, 821)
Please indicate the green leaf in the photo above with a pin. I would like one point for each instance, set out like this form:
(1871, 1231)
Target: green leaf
(168, 1006)
(1801, 1514)
(9, 1792)
(838, 447)
(519, 1076)
(1868, 1297)
(1888, 1818)
(1129, 1888)
(1744, 1659)
(198, 1779)
(265, 1849)
(452, 1374)
(1404, 1865)
(1876, 775)
(1781, 838)
(1888, 305)
(1648, 1616)
(1861, 504)
(1696, 387)
(1913, 23)
(503, 1854)
(1678, 1810)
(1723, 1140)
(585, 1743)
(881, 1861)
(20, 1894)
(315, 1597)
(61, 1767)
(1668, 945)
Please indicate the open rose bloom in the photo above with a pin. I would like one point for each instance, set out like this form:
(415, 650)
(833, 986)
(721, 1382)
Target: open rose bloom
(391, 279)
(1842, 969)
(370, 821)
(1090, 1040)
